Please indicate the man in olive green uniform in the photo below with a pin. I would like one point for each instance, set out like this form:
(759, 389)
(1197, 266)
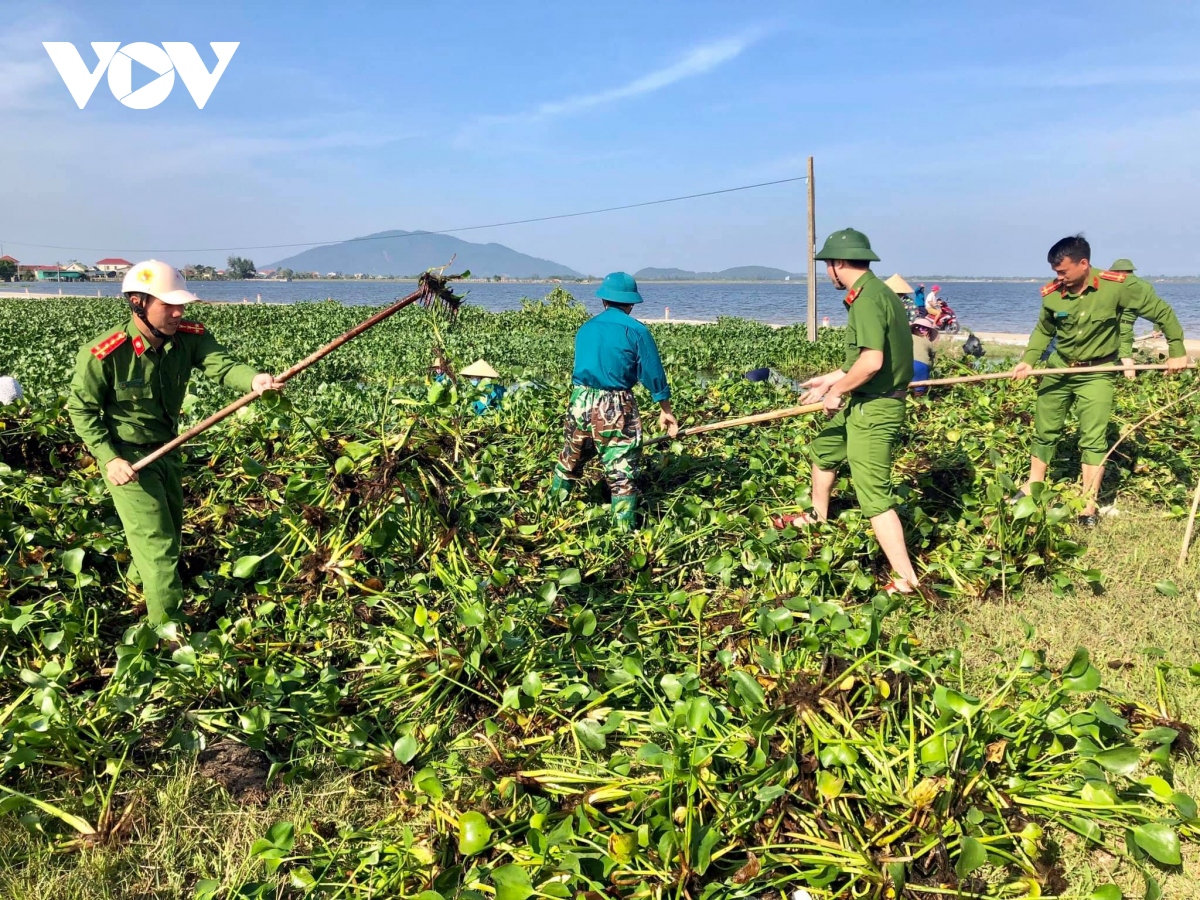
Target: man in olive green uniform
(124, 402)
(1083, 308)
(865, 398)
(1129, 316)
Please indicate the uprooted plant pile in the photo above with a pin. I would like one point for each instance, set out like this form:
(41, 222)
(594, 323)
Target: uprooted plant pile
(707, 707)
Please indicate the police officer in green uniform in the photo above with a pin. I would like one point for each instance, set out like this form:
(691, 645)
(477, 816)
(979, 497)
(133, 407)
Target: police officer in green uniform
(124, 402)
(1129, 316)
(1084, 308)
(865, 398)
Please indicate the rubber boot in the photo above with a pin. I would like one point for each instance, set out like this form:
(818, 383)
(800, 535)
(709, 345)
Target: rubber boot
(624, 513)
(558, 484)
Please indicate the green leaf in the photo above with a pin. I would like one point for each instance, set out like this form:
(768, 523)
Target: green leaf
(699, 711)
(282, 835)
(1087, 828)
(671, 686)
(650, 754)
(253, 467)
(474, 833)
(1025, 508)
(426, 781)
(1089, 680)
(405, 748)
(1160, 841)
(1119, 760)
(750, 690)
(1185, 805)
(1106, 892)
(948, 700)
(72, 560)
(708, 841)
(589, 735)
(246, 566)
(531, 684)
(207, 888)
(1166, 588)
(512, 883)
(569, 577)
(971, 856)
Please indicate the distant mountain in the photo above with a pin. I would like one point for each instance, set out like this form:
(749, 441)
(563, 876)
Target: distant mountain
(412, 252)
(737, 273)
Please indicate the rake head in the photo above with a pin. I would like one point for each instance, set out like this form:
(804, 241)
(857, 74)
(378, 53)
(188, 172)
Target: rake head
(436, 292)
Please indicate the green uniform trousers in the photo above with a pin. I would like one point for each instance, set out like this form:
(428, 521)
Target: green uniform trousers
(151, 511)
(1092, 396)
(865, 432)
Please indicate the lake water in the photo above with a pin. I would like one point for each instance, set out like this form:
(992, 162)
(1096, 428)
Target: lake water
(982, 306)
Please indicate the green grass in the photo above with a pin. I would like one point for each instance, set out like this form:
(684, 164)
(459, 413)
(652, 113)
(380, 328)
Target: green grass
(1129, 627)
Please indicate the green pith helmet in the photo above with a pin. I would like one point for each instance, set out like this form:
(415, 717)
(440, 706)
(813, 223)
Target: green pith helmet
(619, 287)
(1122, 265)
(847, 244)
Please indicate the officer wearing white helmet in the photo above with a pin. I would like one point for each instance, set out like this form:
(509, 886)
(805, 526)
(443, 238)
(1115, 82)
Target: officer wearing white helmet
(10, 390)
(124, 402)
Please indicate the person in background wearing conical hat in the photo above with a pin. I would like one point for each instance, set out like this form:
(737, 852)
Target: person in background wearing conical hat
(481, 375)
(613, 352)
(866, 400)
(1129, 317)
(1085, 309)
(124, 402)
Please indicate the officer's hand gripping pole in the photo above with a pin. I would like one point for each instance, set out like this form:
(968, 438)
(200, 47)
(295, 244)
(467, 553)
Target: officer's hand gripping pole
(793, 411)
(432, 290)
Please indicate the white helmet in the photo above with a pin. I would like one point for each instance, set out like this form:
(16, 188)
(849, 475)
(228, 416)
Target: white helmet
(10, 390)
(158, 280)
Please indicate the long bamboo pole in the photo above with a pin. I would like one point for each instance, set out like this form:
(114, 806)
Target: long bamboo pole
(809, 254)
(756, 419)
(791, 411)
(295, 370)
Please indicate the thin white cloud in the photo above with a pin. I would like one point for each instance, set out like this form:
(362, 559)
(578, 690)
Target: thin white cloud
(697, 61)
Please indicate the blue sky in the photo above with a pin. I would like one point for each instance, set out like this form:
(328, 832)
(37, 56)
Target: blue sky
(963, 137)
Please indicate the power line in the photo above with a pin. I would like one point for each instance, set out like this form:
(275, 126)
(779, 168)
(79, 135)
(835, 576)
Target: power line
(571, 215)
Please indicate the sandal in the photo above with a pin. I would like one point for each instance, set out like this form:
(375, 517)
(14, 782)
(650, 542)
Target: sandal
(801, 519)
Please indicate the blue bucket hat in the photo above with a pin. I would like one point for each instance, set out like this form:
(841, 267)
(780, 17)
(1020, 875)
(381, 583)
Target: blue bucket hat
(619, 287)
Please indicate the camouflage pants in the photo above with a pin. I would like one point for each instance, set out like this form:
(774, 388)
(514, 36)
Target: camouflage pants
(607, 424)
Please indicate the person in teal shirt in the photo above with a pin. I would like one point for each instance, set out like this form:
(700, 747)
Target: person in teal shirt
(613, 352)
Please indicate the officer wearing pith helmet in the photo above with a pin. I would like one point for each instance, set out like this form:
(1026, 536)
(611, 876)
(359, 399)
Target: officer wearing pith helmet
(1129, 317)
(865, 399)
(1088, 313)
(124, 403)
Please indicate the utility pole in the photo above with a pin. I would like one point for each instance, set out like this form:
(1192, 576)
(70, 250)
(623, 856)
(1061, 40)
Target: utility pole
(812, 249)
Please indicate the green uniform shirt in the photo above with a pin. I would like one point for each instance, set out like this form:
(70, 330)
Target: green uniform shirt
(1128, 317)
(1090, 325)
(126, 392)
(877, 320)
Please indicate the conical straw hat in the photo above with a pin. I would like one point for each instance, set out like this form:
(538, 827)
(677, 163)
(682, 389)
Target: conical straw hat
(899, 285)
(479, 369)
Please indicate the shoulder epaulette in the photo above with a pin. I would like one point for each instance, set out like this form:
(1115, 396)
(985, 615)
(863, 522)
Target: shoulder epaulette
(191, 328)
(851, 296)
(1050, 288)
(109, 344)
(1118, 277)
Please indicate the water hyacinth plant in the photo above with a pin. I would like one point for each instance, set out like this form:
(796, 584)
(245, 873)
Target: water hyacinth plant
(707, 707)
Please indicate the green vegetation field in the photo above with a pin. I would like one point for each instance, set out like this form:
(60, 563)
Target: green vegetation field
(408, 674)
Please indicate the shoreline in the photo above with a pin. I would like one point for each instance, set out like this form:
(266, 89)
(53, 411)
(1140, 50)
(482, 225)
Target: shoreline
(1007, 338)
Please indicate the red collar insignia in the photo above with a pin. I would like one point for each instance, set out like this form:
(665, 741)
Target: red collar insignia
(109, 344)
(191, 327)
(1051, 288)
(851, 296)
(139, 345)
(1118, 277)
